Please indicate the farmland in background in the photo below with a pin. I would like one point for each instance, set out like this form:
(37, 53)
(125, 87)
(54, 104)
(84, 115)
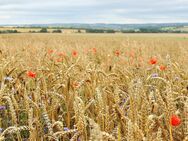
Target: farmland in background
(100, 28)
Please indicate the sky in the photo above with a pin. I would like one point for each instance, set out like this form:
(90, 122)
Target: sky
(93, 11)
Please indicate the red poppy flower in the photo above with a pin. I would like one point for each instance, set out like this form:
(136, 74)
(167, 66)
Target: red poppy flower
(175, 120)
(61, 54)
(162, 68)
(141, 59)
(117, 52)
(31, 74)
(59, 60)
(94, 50)
(132, 54)
(50, 51)
(75, 84)
(153, 61)
(86, 51)
(74, 53)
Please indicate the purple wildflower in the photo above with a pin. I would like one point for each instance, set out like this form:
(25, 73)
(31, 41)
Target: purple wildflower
(30, 97)
(155, 75)
(45, 130)
(177, 78)
(66, 129)
(124, 100)
(1, 130)
(8, 78)
(2, 108)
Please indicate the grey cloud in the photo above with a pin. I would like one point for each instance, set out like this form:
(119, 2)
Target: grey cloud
(93, 11)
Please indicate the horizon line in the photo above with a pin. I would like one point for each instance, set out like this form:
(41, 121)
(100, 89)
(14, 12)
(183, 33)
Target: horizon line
(94, 23)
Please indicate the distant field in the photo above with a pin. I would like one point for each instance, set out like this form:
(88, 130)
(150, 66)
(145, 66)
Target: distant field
(185, 28)
(93, 87)
(150, 44)
(27, 30)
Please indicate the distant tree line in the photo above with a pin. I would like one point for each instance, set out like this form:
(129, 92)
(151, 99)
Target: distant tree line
(45, 30)
(57, 31)
(8, 31)
(140, 30)
(99, 31)
(152, 30)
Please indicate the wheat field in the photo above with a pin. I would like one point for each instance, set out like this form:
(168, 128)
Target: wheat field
(94, 87)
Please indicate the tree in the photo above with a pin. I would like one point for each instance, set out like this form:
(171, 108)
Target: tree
(43, 30)
(57, 31)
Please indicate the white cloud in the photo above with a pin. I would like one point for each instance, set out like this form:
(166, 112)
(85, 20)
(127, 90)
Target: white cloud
(92, 11)
(5, 17)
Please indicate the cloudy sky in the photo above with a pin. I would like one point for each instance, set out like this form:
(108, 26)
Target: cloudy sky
(92, 11)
